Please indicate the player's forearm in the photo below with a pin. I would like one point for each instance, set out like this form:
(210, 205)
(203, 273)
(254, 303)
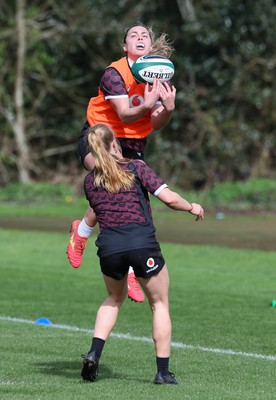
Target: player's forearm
(129, 115)
(160, 117)
(176, 202)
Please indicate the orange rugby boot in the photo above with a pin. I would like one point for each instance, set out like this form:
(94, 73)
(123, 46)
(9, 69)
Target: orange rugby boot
(133, 289)
(76, 245)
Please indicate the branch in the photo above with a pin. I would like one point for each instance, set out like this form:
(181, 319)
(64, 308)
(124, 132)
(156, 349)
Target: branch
(56, 150)
(186, 10)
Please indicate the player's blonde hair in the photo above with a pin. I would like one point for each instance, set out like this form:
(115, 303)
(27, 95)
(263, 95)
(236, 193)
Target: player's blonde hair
(160, 46)
(108, 172)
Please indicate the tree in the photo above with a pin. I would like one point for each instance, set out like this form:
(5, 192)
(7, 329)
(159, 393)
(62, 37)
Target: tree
(225, 118)
(38, 88)
(223, 127)
(19, 123)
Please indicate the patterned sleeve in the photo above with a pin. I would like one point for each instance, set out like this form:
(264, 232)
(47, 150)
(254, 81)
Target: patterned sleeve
(112, 83)
(149, 179)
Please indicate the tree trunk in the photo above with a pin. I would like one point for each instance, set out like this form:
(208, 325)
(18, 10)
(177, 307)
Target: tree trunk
(23, 160)
(262, 166)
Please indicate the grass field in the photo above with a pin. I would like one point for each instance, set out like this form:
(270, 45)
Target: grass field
(224, 327)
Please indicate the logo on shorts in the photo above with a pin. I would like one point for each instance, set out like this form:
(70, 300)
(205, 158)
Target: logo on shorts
(151, 265)
(150, 262)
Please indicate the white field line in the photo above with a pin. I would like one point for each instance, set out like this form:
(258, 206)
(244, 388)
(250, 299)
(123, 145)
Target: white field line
(144, 339)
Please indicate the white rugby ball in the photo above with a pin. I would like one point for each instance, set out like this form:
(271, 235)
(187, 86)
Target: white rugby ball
(146, 68)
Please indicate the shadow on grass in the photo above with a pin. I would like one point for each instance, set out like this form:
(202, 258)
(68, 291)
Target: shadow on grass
(72, 370)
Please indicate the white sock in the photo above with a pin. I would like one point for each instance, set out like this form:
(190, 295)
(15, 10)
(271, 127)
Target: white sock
(84, 230)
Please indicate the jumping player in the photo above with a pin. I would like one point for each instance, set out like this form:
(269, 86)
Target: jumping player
(133, 110)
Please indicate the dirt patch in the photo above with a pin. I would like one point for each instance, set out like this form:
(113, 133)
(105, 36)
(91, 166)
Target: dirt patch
(256, 231)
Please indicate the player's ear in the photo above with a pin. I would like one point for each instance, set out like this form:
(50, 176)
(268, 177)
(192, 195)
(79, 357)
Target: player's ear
(114, 147)
(124, 47)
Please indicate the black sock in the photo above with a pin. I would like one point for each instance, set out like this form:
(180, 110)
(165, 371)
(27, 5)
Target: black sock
(97, 346)
(162, 364)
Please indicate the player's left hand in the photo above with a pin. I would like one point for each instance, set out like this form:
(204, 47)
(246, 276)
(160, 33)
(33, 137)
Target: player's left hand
(197, 210)
(167, 96)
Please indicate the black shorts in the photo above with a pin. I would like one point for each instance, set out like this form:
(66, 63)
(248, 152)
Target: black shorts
(83, 148)
(145, 263)
(132, 154)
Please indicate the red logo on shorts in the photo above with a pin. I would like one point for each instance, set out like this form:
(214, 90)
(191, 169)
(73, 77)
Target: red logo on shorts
(150, 262)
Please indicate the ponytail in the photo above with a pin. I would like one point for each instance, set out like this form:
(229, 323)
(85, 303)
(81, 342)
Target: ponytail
(109, 173)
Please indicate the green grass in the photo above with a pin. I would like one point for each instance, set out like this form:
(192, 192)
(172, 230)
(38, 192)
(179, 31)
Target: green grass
(220, 299)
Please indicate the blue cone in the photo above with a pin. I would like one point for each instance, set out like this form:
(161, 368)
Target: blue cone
(220, 215)
(43, 321)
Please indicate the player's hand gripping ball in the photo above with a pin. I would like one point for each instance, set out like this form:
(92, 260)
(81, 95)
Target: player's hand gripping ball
(146, 68)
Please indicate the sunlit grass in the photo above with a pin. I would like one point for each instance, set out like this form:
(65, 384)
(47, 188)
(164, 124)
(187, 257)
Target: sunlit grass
(219, 298)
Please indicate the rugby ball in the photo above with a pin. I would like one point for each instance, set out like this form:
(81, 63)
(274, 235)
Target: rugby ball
(146, 68)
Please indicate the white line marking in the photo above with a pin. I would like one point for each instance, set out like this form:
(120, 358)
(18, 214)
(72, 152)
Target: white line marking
(146, 339)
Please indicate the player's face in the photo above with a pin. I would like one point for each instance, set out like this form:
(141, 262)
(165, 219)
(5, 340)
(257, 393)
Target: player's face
(137, 42)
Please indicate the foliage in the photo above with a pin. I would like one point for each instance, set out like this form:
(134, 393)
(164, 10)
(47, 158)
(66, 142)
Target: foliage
(253, 195)
(223, 128)
(36, 193)
(224, 125)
